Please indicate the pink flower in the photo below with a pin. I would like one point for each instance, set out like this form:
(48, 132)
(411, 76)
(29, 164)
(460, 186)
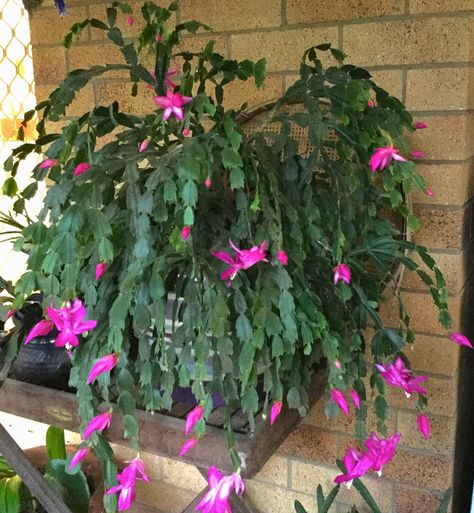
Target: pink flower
(429, 191)
(355, 398)
(48, 164)
(418, 125)
(10, 314)
(338, 397)
(244, 259)
(185, 232)
(172, 103)
(371, 103)
(78, 457)
(216, 499)
(381, 451)
(104, 364)
(100, 269)
(193, 417)
(69, 321)
(188, 445)
(459, 338)
(423, 422)
(186, 132)
(357, 464)
(39, 330)
(130, 21)
(81, 168)
(342, 272)
(275, 411)
(417, 154)
(208, 182)
(337, 364)
(143, 145)
(382, 157)
(126, 486)
(282, 257)
(98, 423)
(397, 375)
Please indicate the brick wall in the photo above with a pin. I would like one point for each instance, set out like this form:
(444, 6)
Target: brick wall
(421, 51)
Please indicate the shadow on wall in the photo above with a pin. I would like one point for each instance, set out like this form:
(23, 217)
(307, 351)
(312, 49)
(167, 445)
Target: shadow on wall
(464, 451)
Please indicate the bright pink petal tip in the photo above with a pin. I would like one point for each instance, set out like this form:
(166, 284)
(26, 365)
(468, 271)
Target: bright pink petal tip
(459, 338)
(275, 411)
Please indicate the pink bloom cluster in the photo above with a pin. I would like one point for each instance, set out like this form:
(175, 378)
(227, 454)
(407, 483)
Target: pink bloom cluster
(216, 499)
(133, 472)
(379, 452)
(244, 259)
(338, 397)
(397, 375)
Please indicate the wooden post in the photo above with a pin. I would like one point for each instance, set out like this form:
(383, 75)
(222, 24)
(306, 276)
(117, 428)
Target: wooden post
(32, 478)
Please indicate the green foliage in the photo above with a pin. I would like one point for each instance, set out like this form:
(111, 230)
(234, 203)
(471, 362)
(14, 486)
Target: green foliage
(10, 494)
(55, 444)
(322, 208)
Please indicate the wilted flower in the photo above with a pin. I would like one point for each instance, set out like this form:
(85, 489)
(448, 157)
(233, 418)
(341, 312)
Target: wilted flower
(342, 272)
(104, 364)
(382, 157)
(216, 499)
(98, 423)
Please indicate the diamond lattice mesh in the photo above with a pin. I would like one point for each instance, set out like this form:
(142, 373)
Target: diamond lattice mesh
(16, 69)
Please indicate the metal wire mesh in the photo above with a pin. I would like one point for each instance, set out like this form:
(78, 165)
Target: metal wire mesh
(16, 69)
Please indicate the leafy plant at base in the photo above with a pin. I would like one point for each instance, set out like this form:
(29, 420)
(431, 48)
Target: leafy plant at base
(276, 322)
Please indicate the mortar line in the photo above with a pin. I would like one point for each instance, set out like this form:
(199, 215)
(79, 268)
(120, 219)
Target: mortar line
(404, 86)
(284, 20)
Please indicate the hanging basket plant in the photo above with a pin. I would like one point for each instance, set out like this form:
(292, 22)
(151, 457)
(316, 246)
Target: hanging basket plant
(174, 251)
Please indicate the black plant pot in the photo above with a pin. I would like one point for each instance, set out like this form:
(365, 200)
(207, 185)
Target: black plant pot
(41, 363)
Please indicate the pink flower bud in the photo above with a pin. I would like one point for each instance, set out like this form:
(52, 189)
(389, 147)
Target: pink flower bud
(185, 232)
(10, 313)
(78, 457)
(39, 330)
(143, 145)
(417, 154)
(423, 423)
(208, 182)
(419, 125)
(104, 364)
(429, 191)
(48, 164)
(459, 338)
(188, 445)
(186, 132)
(158, 38)
(275, 411)
(98, 423)
(338, 397)
(355, 398)
(130, 21)
(282, 257)
(371, 103)
(100, 269)
(342, 272)
(337, 364)
(81, 168)
(193, 417)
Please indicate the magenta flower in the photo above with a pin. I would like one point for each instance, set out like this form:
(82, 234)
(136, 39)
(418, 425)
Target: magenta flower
(39, 330)
(381, 451)
(130, 21)
(338, 397)
(423, 422)
(244, 259)
(355, 398)
(216, 499)
(188, 445)
(100, 269)
(275, 411)
(48, 164)
(342, 272)
(69, 321)
(78, 457)
(208, 182)
(143, 145)
(172, 103)
(429, 191)
(397, 375)
(357, 465)
(459, 338)
(98, 423)
(417, 154)
(371, 103)
(185, 232)
(193, 417)
(104, 364)
(282, 257)
(126, 486)
(82, 168)
(382, 157)
(418, 125)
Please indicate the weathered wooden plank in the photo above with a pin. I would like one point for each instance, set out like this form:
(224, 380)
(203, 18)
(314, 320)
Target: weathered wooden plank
(32, 478)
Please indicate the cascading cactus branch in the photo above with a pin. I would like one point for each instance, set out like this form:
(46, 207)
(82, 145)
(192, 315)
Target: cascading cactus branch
(280, 259)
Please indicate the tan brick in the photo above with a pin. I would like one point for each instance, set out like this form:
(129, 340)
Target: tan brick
(411, 500)
(451, 183)
(232, 15)
(85, 56)
(451, 266)
(311, 444)
(188, 476)
(380, 489)
(275, 471)
(390, 80)
(283, 49)
(275, 499)
(423, 312)
(419, 470)
(434, 354)
(409, 41)
(446, 138)
(306, 11)
(108, 92)
(163, 496)
(49, 65)
(438, 89)
(46, 27)
(239, 92)
(441, 228)
(305, 477)
(83, 102)
(442, 433)
(440, 5)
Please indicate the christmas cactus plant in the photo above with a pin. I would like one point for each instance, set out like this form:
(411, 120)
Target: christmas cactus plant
(277, 261)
